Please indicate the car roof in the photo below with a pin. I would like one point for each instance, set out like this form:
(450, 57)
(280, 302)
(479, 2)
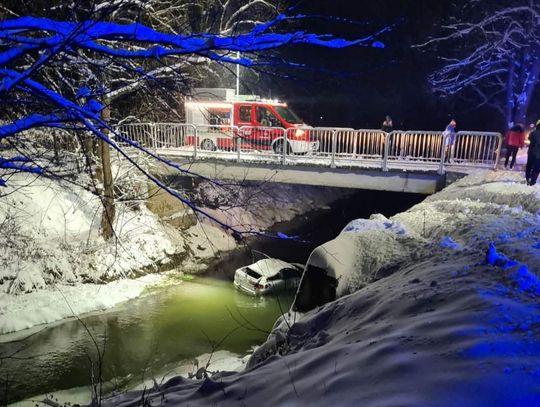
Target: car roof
(269, 267)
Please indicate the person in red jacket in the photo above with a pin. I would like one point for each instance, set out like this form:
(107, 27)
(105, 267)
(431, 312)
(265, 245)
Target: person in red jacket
(514, 140)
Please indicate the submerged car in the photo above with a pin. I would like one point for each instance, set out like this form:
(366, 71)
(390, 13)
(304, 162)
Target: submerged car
(267, 276)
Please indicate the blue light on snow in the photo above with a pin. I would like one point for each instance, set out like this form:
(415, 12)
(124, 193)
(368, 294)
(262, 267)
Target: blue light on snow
(522, 277)
(447, 243)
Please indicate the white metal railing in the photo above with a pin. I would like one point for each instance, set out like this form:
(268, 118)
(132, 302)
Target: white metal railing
(333, 147)
(475, 148)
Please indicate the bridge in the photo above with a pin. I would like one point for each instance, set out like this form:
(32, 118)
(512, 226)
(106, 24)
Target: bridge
(405, 161)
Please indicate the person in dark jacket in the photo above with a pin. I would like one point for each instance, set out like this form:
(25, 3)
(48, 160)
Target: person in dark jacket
(533, 157)
(514, 140)
(388, 127)
(530, 156)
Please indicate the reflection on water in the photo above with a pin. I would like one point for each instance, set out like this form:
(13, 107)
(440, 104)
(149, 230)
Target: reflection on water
(141, 337)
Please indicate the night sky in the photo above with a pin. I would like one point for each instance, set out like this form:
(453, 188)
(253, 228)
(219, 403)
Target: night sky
(357, 87)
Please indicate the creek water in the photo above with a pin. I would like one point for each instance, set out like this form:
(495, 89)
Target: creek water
(157, 334)
(169, 326)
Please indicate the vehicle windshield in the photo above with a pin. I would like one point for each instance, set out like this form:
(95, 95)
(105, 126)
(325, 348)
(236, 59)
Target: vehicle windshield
(288, 115)
(252, 273)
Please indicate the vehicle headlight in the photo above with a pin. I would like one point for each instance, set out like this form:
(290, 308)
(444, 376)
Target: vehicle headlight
(299, 133)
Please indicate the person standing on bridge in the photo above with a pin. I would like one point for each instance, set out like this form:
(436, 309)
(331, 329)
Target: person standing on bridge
(533, 156)
(449, 137)
(514, 140)
(387, 127)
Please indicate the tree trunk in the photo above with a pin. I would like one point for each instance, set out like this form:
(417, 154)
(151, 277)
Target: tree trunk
(89, 148)
(107, 218)
(530, 80)
(509, 108)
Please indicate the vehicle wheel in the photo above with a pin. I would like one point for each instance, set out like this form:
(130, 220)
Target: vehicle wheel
(208, 144)
(278, 147)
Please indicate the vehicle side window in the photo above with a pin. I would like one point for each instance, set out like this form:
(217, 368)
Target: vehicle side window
(266, 118)
(291, 273)
(218, 118)
(244, 114)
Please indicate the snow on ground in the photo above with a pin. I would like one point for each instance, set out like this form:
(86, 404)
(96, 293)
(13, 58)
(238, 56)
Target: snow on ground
(19, 312)
(52, 235)
(51, 241)
(457, 324)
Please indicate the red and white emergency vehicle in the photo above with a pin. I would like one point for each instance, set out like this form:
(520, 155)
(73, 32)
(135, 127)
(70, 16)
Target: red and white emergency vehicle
(255, 123)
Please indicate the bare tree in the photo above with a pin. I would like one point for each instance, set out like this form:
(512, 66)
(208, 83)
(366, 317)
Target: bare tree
(63, 73)
(491, 54)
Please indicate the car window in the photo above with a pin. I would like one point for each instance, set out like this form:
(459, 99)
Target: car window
(291, 273)
(244, 114)
(288, 115)
(266, 118)
(219, 117)
(252, 273)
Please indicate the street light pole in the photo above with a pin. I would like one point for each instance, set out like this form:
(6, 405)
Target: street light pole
(238, 74)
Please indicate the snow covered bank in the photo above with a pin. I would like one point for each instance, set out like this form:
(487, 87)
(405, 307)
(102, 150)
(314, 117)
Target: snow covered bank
(456, 323)
(51, 240)
(19, 312)
(51, 235)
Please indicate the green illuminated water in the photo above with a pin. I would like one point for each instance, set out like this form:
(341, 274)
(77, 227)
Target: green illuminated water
(142, 338)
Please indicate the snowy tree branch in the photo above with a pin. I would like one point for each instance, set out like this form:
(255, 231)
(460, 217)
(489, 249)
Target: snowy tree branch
(480, 48)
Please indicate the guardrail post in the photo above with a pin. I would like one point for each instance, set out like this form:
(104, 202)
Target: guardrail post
(153, 132)
(443, 154)
(284, 158)
(334, 145)
(355, 147)
(238, 140)
(452, 149)
(498, 152)
(386, 151)
(195, 141)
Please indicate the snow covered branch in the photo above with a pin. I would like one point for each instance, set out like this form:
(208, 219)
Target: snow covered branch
(69, 71)
(490, 50)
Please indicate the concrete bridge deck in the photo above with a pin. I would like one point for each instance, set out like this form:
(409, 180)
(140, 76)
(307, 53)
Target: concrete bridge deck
(373, 179)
